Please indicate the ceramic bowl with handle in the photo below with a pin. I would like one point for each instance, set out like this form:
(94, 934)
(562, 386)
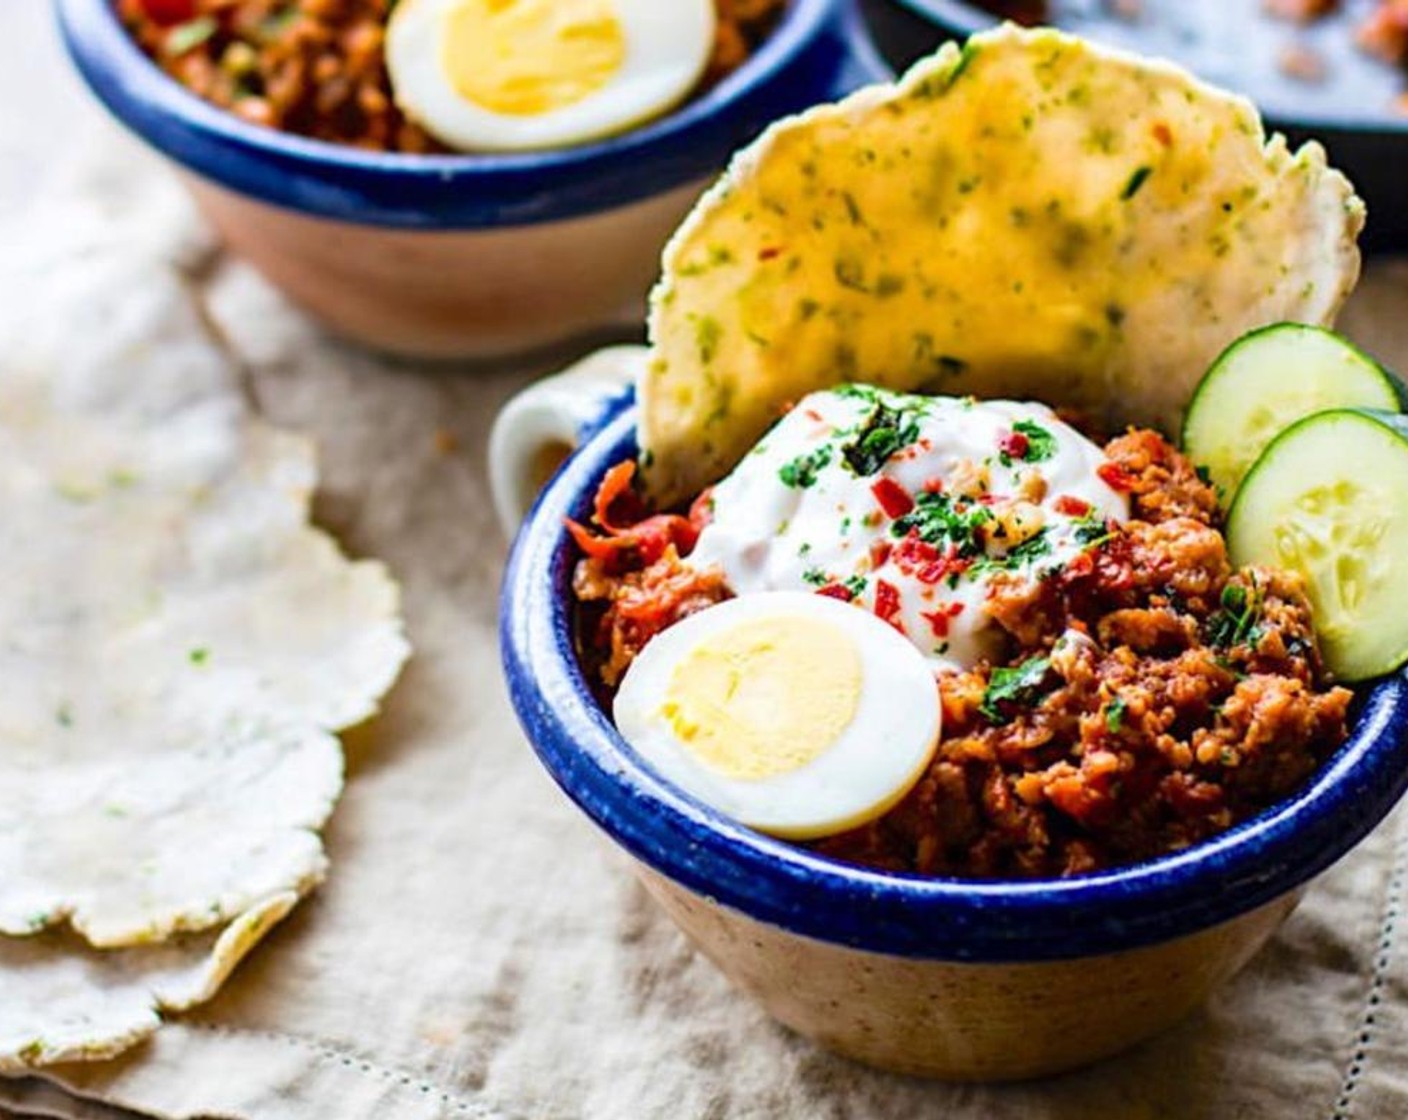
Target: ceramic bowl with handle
(465, 255)
(945, 977)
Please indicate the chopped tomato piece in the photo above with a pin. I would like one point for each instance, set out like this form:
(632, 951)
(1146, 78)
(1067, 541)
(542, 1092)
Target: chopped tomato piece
(939, 620)
(1014, 444)
(1071, 506)
(1116, 477)
(894, 499)
(836, 591)
(887, 604)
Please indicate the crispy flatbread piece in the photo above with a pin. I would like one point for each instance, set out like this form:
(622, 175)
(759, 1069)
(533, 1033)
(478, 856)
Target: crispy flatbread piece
(1028, 216)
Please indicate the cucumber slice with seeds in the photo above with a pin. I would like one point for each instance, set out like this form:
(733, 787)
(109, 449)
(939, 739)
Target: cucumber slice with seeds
(1267, 380)
(1328, 498)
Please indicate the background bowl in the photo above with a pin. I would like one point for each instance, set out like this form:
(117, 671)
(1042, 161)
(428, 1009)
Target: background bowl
(1352, 109)
(944, 977)
(464, 255)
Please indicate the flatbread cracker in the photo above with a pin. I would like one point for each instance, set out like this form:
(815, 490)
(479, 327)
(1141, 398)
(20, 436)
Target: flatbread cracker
(1030, 216)
(177, 634)
(64, 1002)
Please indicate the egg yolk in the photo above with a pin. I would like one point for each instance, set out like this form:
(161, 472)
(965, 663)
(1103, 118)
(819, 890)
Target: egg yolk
(527, 57)
(766, 697)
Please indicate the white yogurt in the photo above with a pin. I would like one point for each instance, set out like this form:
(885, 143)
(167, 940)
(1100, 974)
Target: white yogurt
(915, 521)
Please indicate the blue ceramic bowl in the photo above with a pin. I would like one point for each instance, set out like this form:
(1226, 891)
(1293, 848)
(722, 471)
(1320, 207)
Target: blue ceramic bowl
(465, 254)
(910, 956)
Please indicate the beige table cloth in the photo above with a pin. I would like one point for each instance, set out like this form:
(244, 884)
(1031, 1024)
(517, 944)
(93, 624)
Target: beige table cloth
(478, 952)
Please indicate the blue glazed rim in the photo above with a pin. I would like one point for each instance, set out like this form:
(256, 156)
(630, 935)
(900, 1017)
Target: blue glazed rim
(942, 919)
(821, 50)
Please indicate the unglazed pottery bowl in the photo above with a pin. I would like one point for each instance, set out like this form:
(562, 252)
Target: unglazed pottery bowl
(465, 255)
(950, 978)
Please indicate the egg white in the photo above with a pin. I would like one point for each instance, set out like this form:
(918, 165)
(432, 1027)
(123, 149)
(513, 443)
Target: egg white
(668, 45)
(864, 773)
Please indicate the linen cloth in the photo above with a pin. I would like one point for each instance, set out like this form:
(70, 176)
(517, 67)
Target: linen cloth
(478, 952)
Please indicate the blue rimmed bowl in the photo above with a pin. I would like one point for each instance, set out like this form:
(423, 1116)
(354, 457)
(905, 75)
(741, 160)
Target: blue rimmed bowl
(940, 977)
(465, 255)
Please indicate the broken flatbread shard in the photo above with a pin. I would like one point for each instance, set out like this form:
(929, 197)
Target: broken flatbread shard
(65, 1002)
(1029, 216)
(179, 643)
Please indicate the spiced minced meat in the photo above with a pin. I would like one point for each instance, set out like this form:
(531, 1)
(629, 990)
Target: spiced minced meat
(318, 68)
(1151, 697)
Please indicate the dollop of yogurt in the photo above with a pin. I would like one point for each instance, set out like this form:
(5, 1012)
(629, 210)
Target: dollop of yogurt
(911, 507)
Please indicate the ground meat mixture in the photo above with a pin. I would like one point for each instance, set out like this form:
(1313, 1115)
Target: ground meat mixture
(1151, 696)
(317, 67)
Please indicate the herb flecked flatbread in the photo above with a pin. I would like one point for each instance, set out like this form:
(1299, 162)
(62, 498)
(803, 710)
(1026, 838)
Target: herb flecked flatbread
(1029, 216)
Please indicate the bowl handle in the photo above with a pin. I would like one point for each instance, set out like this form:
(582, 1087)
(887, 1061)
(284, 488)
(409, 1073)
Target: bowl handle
(541, 426)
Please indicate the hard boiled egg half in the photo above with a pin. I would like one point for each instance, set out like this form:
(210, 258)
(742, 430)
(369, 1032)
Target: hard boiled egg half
(515, 75)
(793, 713)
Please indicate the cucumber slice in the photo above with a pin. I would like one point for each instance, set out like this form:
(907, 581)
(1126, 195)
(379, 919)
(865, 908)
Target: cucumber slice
(1329, 499)
(1267, 380)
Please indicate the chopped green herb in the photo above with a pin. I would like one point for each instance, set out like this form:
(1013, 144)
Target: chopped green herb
(816, 577)
(188, 36)
(855, 585)
(1093, 530)
(1018, 556)
(801, 472)
(199, 656)
(1018, 686)
(1041, 444)
(885, 431)
(1136, 181)
(707, 335)
(63, 715)
(939, 519)
(1236, 623)
(1114, 714)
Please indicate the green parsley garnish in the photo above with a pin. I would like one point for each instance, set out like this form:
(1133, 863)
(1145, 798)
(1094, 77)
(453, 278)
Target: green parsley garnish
(885, 431)
(1236, 623)
(801, 472)
(1028, 552)
(1114, 714)
(1041, 444)
(816, 577)
(1020, 685)
(938, 519)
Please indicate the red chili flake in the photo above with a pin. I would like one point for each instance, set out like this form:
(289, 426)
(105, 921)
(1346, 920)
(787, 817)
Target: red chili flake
(879, 553)
(701, 510)
(939, 620)
(769, 252)
(1163, 134)
(986, 498)
(1115, 476)
(894, 499)
(836, 591)
(167, 13)
(1014, 444)
(1071, 506)
(813, 414)
(887, 604)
